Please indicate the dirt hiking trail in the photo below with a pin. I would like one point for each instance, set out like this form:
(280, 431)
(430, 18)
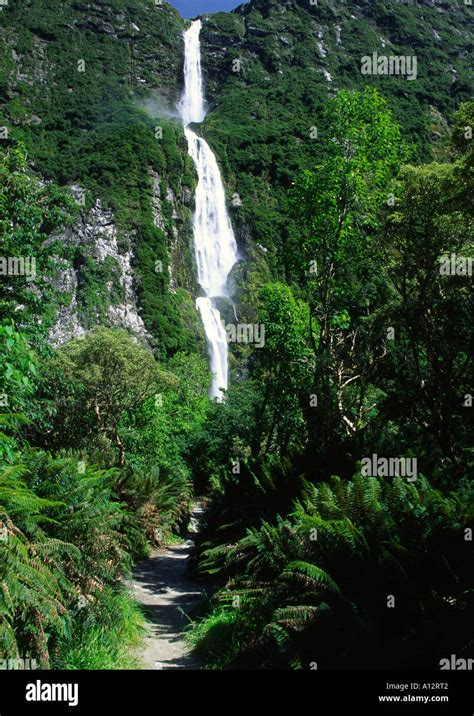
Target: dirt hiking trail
(161, 585)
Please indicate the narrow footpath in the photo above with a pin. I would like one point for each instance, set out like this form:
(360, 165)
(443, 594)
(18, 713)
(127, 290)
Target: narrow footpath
(168, 595)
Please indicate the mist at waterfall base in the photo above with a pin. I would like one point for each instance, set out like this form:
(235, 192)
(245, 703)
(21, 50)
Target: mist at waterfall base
(192, 8)
(215, 246)
(156, 106)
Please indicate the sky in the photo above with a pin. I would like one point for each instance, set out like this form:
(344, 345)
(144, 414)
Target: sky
(191, 8)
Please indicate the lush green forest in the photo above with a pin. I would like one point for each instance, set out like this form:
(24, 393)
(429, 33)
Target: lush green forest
(337, 474)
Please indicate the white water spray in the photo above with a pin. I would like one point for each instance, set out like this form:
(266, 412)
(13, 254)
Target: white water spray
(214, 241)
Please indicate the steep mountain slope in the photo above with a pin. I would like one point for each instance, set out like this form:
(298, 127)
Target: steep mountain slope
(270, 66)
(90, 89)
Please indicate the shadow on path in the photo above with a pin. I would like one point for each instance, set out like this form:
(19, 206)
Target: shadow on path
(167, 594)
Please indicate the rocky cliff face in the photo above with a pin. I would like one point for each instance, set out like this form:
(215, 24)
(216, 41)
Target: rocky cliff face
(95, 240)
(94, 236)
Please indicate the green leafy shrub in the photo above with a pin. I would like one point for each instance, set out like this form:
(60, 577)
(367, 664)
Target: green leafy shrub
(308, 588)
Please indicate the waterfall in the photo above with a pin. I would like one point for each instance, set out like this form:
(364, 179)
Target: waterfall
(214, 241)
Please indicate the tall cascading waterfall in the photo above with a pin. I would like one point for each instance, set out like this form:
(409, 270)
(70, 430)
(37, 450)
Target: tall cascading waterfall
(214, 241)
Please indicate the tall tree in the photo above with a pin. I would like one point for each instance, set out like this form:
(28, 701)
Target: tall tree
(339, 204)
(112, 374)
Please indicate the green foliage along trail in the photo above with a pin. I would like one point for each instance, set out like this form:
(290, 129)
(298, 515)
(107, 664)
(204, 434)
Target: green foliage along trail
(302, 551)
(313, 558)
(337, 474)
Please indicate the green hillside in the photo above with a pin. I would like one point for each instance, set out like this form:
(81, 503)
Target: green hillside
(294, 55)
(94, 124)
(88, 89)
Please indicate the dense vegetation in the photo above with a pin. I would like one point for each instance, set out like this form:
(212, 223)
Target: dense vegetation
(266, 120)
(307, 557)
(91, 474)
(316, 559)
(92, 468)
(94, 124)
(107, 126)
